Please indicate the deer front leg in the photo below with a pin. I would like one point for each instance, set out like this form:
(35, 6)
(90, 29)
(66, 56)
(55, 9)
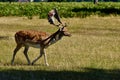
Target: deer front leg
(41, 53)
(45, 58)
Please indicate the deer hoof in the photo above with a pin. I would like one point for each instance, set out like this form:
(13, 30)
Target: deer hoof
(47, 64)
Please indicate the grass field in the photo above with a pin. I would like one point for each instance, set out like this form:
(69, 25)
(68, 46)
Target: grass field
(91, 53)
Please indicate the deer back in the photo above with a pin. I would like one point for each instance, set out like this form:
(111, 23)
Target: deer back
(35, 36)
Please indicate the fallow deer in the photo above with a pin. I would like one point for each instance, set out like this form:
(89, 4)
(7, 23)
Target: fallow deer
(37, 39)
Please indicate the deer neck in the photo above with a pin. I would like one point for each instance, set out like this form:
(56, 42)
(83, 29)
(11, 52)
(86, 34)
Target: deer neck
(53, 38)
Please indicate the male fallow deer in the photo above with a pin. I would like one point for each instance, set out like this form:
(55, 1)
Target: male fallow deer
(37, 39)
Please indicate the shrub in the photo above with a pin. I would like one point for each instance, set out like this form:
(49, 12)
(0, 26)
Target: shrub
(66, 9)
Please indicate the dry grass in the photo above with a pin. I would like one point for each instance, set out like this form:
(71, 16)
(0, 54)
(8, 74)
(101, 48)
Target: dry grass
(93, 49)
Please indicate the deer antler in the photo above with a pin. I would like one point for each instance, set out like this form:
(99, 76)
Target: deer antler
(54, 14)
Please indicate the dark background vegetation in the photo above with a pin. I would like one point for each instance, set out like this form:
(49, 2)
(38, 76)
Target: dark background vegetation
(72, 9)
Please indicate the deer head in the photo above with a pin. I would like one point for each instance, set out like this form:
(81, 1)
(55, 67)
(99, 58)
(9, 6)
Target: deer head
(62, 27)
(64, 31)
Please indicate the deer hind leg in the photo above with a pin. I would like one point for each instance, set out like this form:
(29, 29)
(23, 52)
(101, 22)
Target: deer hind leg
(15, 51)
(41, 53)
(26, 55)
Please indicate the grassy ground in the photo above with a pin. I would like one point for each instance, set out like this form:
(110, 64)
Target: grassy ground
(92, 53)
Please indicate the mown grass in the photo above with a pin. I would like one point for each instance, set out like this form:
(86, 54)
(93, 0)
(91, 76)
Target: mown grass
(92, 53)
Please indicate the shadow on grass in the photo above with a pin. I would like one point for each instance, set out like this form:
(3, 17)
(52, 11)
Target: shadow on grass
(86, 74)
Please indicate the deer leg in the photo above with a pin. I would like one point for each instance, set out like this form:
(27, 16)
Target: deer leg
(45, 57)
(26, 55)
(41, 53)
(15, 51)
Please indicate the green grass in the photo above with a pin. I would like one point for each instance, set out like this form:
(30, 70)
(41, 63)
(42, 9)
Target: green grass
(91, 53)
